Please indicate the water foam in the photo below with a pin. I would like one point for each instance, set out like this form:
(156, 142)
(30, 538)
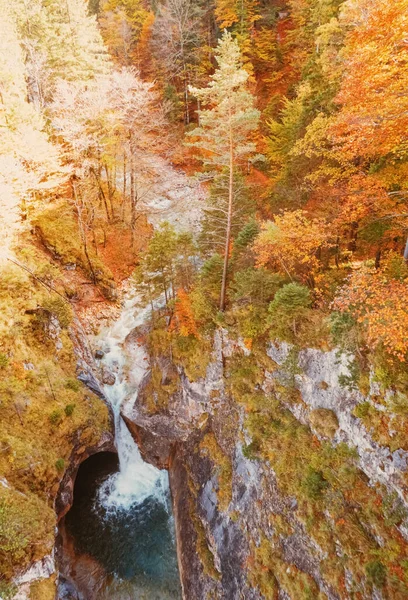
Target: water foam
(136, 480)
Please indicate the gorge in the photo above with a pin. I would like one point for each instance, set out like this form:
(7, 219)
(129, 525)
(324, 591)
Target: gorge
(203, 300)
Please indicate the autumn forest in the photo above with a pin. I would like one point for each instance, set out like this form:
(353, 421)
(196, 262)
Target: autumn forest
(241, 168)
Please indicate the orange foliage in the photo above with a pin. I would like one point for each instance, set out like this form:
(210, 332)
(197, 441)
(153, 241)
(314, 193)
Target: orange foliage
(381, 306)
(229, 12)
(290, 242)
(373, 119)
(184, 322)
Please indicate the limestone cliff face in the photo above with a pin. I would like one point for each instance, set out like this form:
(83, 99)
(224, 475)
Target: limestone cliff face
(242, 531)
(319, 383)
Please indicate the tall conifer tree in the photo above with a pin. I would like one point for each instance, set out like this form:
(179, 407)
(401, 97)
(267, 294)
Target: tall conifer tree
(226, 126)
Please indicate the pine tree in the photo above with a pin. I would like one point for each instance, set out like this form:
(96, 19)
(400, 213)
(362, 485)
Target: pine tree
(226, 127)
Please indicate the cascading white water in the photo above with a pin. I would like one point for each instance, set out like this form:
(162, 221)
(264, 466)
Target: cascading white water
(136, 480)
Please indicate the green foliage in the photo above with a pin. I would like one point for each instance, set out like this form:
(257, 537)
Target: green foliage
(288, 311)
(71, 383)
(193, 355)
(58, 230)
(255, 286)
(362, 410)
(377, 573)
(251, 450)
(55, 417)
(211, 276)
(175, 107)
(7, 590)
(314, 484)
(291, 300)
(215, 215)
(252, 321)
(26, 530)
(341, 326)
(351, 380)
(396, 267)
(166, 264)
(12, 539)
(14, 281)
(60, 464)
(246, 236)
(69, 409)
(394, 510)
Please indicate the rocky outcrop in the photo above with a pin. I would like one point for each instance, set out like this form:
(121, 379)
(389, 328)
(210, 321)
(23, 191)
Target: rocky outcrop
(319, 381)
(228, 506)
(79, 453)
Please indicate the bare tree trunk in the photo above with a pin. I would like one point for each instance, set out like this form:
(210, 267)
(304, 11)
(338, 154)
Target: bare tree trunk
(229, 223)
(124, 188)
(110, 190)
(78, 204)
(187, 108)
(101, 193)
(132, 203)
(406, 251)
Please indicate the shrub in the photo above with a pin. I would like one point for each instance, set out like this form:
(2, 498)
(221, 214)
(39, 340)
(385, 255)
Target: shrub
(376, 573)
(69, 409)
(324, 421)
(60, 465)
(4, 361)
(362, 410)
(351, 380)
(7, 590)
(13, 281)
(314, 484)
(341, 326)
(61, 309)
(251, 450)
(55, 417)
(72, 384)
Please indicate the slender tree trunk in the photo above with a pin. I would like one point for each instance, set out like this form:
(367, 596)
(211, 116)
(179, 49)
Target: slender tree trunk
(101, 193)
(132, 203)
(110, 190)
(378, 259)
(229, 224)
(124, 188)
(187, 109)
(83, 232)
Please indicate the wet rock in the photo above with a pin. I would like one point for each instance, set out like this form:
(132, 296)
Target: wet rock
(154, 448)
(79, 453)
(91, 382)
(70, 267)
(108, 378)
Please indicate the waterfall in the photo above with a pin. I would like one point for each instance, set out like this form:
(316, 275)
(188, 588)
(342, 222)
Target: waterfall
(136, 480)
